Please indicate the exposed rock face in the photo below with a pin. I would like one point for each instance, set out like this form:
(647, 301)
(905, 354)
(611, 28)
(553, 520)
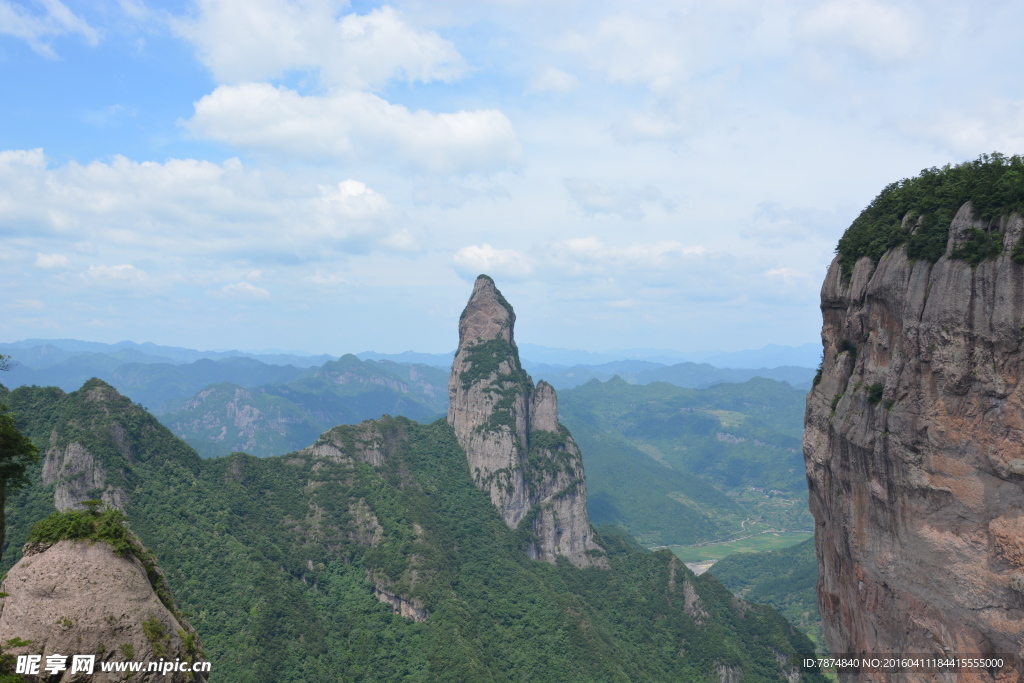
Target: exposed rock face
(517, 450)
(914, 448)
(79, 597)
(75, 470)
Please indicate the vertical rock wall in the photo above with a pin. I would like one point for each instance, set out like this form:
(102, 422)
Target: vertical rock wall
(914, 448)
(517, 450)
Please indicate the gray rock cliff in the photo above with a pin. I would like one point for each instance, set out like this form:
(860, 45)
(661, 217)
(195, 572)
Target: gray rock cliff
(914, 450)
(80, 598)
(517, 450)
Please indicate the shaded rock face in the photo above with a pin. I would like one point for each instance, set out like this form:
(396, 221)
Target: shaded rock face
(914, 448)
(77, 597)
(517, 450)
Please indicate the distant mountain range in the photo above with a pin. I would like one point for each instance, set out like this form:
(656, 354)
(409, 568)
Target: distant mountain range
(770, 356)
(46, 352)
(261, 403)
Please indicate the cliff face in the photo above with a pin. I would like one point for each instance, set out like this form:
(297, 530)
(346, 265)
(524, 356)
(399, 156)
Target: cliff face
(914, 450)
(79, 597)
(509, 428)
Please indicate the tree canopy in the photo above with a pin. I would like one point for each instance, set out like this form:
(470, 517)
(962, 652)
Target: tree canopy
(17, 452)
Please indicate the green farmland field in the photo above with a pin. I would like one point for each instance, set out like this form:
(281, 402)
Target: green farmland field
(716, 551)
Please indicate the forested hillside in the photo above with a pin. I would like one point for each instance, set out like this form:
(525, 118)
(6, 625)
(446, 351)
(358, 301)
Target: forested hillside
(677, 466)
(290, 566)
(785, 579)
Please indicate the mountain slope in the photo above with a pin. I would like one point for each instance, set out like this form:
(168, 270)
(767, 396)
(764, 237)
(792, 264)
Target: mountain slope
(276, 418)
(294, 566)
(677, 466)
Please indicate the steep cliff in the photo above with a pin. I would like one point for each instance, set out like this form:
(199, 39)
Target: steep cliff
(913, 442)
(509, 428)
(80, 597)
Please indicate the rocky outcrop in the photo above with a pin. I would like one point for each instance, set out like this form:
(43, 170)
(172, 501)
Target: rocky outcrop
(78, 474)
(517, 450)
(914, 449)
(80, 598)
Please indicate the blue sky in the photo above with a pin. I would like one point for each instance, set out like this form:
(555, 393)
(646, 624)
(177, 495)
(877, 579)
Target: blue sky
(330, 177)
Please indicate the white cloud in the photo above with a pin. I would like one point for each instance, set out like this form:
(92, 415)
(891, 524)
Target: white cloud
(584, 257)
(355, 126)
(882, 32)
(261, 40)
(124, 277)
(984, 127)
(244, 291)
(592, 198)
(631, 50)
(35, 29)
(788, 275)
(591, 255)
(551, 79)
(504, 263)
(52, 261)
(775, 225)
(189, 207)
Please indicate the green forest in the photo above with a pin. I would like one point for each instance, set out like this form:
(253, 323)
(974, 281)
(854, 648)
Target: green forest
(917, 212)
(671, 465)
(275, 562)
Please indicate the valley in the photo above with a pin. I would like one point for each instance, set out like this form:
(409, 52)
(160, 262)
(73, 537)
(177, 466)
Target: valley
(377, 552)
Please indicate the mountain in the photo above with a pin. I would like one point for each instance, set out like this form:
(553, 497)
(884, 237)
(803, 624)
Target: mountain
(914, 429)
(678, 466)
(381, 553)
(277, 418)
(38, 352)
(690, 375)
(517, 450)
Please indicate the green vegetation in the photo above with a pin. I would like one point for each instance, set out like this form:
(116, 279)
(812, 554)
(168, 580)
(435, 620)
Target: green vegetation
(92, 524)
(874, 393)
(785, 579)
(17, 454)
(979, 246)
(8, 662)
(262, 552)
(993, 183)
(283, 417)
(675, 466)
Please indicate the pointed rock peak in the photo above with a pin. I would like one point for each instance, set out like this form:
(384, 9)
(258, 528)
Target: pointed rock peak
(544, 408)
(515, 447)
(487, 316)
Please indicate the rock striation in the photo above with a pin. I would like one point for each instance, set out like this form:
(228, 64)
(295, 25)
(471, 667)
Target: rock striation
(517, 450)
(80, 598)
(914, 449)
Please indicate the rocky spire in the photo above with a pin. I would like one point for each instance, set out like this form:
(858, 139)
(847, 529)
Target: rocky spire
(517, 450)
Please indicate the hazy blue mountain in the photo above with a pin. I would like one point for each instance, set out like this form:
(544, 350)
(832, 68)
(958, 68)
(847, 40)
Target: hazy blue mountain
(277, 417)
(689, 375)
(31, 352)
(770, 356)
(439, 360)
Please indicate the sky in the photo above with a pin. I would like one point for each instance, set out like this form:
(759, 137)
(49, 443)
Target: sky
(331, 177)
